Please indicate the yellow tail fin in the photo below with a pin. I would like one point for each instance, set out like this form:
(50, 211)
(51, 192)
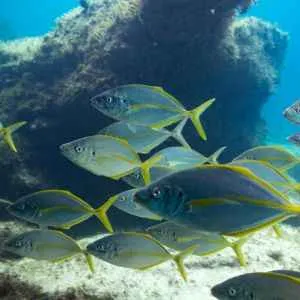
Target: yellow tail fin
(195, 115)
(277, 230)
(101, 213)
(89, 261)
(180, 257)
(237, 248)
(146, 165)
(7, 134)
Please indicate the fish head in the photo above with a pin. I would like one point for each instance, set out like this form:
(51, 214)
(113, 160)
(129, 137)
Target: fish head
(24, 209)
(292, 113)
(80, 151)
(104, 248)
(294, 138)
(233, 289)
(135, 179)
(162, 198)
(20, 245)
(111, 103)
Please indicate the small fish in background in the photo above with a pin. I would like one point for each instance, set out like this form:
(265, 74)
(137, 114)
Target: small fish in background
(57, 208)
(136, 251)
(295, 139)
(142, 138)
(180, 158)
(50, 245)
(292, 113)
(6, 133)
(274, 285)
(277, 156)
(206, 198)
(179, 238)
(147, 105)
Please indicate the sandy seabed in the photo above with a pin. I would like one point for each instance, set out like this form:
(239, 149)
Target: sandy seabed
(264, 252)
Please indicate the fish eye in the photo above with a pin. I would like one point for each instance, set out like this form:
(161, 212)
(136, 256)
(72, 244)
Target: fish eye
(231, 291)
(109, 99)
(18, 243)
(100, 247)
(156, 192)
(78, 149)
(122, 198)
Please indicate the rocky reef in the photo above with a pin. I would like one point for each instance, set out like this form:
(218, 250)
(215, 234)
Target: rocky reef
(194, 49)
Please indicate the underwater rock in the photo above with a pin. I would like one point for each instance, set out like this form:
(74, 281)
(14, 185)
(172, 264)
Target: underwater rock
(194, 49)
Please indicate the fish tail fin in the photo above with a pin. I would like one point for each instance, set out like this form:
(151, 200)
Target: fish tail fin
(177, 134)
(89, 261)
(277, 230)
(147, 165)
(215, 156)
(7, 134)
(101, 213)
(237, 248)
(179, 260)
(195, 115)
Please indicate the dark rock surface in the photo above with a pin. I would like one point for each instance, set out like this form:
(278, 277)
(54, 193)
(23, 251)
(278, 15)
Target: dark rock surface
(194, 49)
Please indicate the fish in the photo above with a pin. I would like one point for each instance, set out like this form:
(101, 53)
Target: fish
(206, 198)
(6, 134)
(136, 251)
(278, 284)
(179, 238)
(136, 179)
(50, 245)
(170, 160)
(292, 113)
(144, 139)
(295, 139)
(147, 105)
(180, 158)
(57, 208)
(277, 156)
(124, 201)
(106, 156)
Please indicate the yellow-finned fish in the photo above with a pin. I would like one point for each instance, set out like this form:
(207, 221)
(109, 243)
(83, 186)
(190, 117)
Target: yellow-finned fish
(144, 139)
(179, 238)
(277, 156)
(48, 245)
(136, 251)
(106, 156)
(6, 133)
(225, 199)
(274, 285)
(58, 208)
(147, 105)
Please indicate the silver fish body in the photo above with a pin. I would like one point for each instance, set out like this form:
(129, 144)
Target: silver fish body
(273, 285)
(196, 196)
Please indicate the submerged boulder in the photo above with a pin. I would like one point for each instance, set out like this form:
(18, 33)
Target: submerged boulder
(194, 49)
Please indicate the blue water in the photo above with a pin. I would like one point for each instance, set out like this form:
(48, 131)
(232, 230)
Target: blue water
(36, 17)
(285, 15)
(30, 17)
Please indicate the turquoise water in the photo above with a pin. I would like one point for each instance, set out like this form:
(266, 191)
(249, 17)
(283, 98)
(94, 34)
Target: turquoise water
(19, 18)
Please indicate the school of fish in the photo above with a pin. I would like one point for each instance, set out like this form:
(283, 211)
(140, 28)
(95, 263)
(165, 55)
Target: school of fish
(201, 206)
